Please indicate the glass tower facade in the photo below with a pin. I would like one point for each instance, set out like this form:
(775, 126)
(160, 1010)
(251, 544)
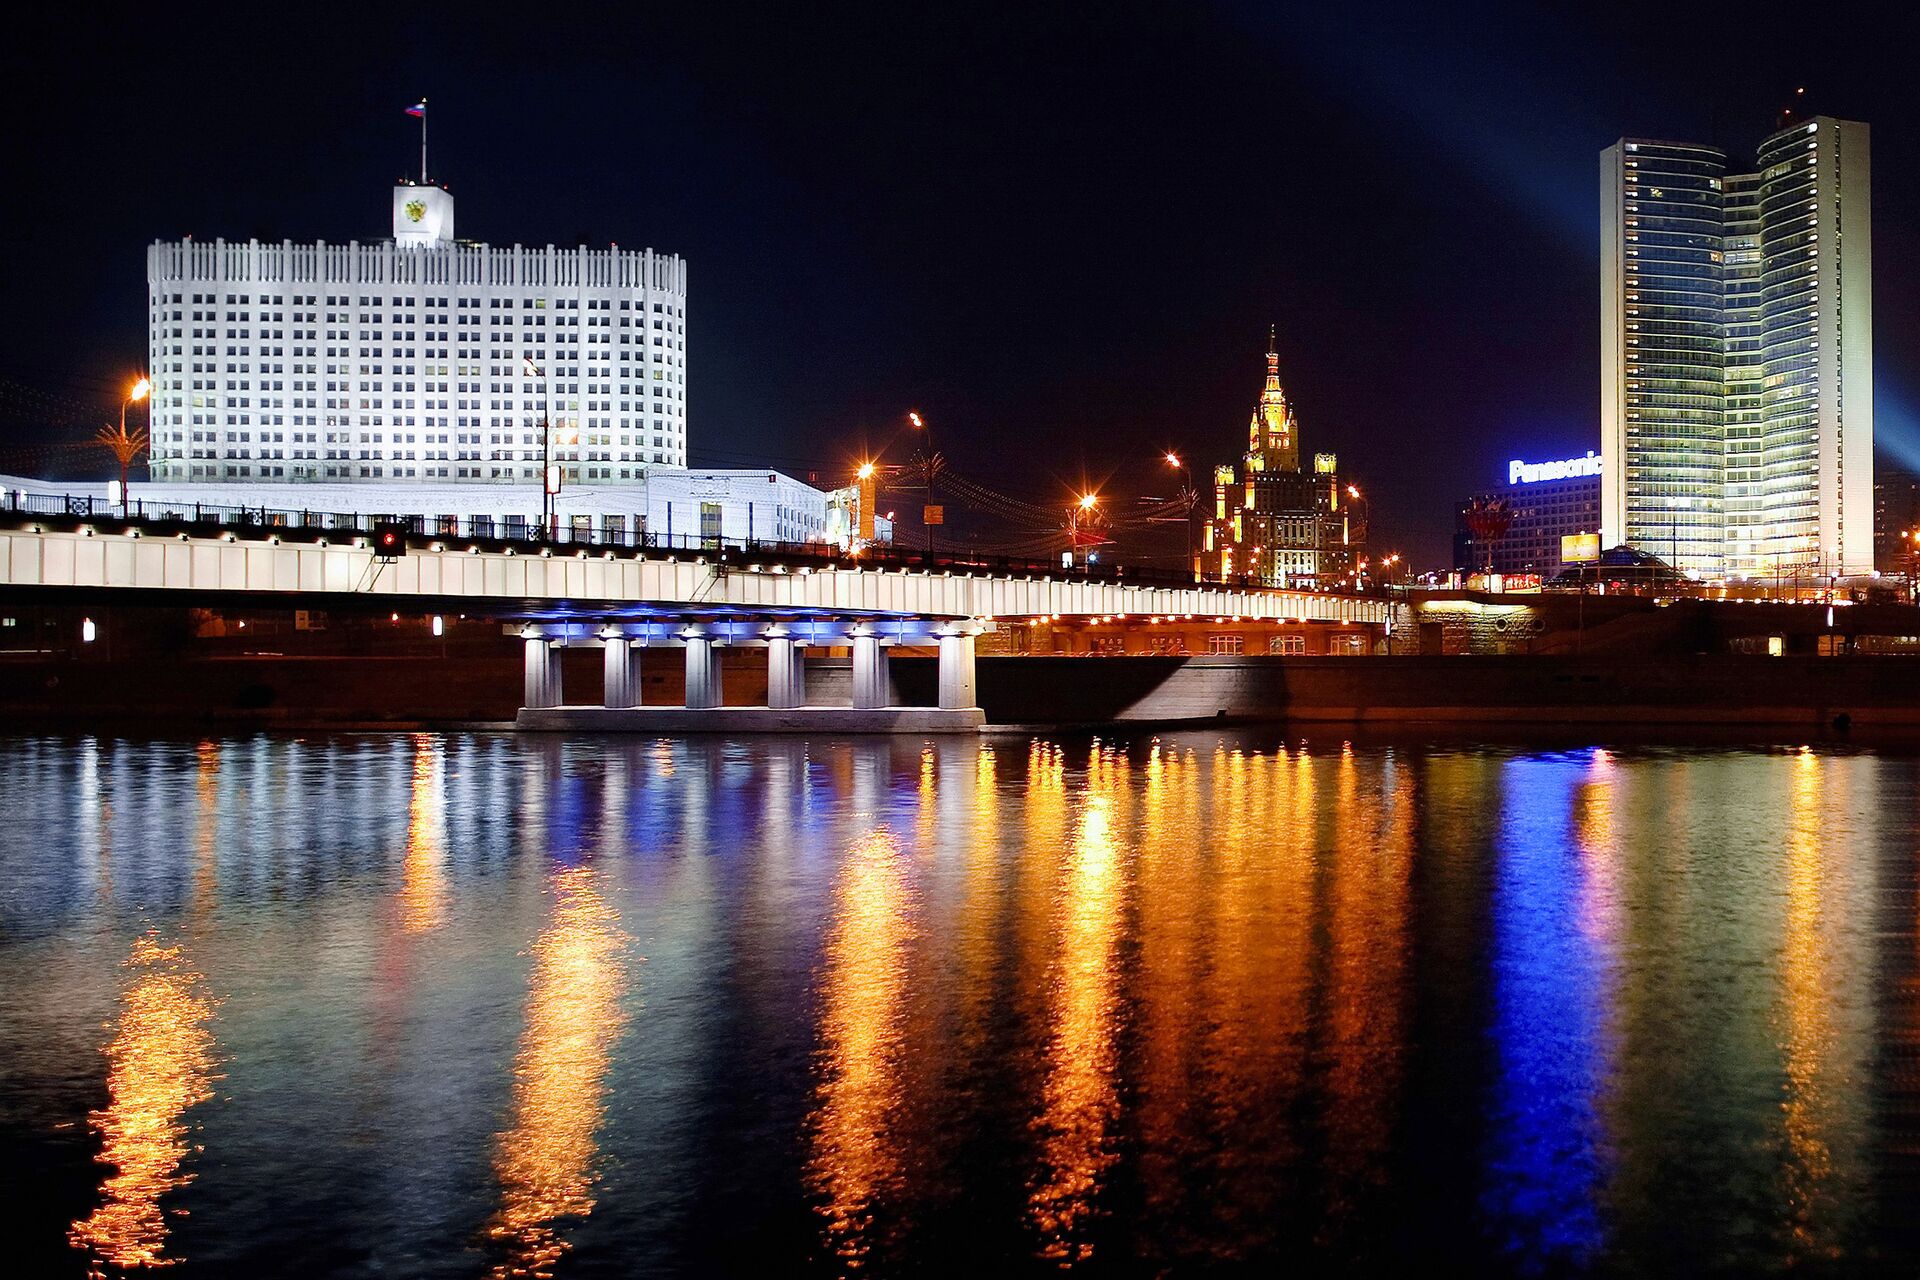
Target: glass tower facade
(1736, 342)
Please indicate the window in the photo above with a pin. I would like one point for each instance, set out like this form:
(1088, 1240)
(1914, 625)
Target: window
(1286, 644)
(1226, 644)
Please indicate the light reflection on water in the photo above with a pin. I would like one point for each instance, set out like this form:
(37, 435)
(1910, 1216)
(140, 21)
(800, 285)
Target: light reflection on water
(547, 1160)
(1003, 1006)
(160, 1063)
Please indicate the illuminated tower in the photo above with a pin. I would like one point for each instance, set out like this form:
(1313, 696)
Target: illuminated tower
(1272, 443)
(1274, 522)
(1737, 353)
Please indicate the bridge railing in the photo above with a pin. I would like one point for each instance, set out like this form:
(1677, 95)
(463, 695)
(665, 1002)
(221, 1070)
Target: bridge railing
(515, 531)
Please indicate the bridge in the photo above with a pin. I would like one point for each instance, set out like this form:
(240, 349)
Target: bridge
(626, 596)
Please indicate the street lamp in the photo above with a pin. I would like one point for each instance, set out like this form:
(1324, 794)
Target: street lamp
(549, 474)
(126, 448)
(1186, 486)
(1082, 508)
(927, 512)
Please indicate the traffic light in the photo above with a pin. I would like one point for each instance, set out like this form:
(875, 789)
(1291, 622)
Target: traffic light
(389, 540)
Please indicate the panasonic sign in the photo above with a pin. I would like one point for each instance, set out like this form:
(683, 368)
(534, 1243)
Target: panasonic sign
(1519, 472)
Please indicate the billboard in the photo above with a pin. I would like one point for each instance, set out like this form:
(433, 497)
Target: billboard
(1579, 548)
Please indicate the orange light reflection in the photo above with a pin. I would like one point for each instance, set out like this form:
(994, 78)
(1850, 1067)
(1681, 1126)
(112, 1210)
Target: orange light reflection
(160, 1063)
(546, 1161)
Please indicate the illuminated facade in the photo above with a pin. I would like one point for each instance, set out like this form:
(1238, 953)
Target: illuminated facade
(1550, 501)
(1273, 520)
(405, 360)
(1736, 353)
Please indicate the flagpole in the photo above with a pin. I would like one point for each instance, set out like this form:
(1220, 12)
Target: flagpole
(423, 142)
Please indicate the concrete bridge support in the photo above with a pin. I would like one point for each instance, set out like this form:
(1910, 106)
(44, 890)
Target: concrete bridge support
(543, 672)
(622, 682)
(872, 690)
(703, 670)
(957, 687)
(786, 672)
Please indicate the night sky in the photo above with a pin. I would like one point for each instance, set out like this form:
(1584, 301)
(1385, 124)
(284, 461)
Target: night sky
(1060, 232)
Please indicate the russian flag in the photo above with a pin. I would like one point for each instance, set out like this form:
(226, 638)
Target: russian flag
(418, 109)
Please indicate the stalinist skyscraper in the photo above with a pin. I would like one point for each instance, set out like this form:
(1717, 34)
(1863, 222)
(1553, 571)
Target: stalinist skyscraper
(1736, 379)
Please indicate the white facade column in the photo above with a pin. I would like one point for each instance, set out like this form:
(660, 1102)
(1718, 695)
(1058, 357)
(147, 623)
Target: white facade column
(786, 671)
(703, 670)
(957, 686)
(543, 672)
(872, 690)
(620, 687)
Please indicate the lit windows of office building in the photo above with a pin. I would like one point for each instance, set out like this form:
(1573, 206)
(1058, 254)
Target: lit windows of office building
(414, 359)
(1737, 346)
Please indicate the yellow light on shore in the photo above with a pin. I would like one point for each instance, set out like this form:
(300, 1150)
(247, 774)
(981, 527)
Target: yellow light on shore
(916, 419)
(866, 471)
(140, 390)
(1087, 500)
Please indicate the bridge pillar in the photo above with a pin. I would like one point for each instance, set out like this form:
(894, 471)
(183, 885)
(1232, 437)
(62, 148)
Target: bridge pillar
(703, 670)
(872, 689)
(621, 688)
(543, 672)
(786, 672)
(957, 685)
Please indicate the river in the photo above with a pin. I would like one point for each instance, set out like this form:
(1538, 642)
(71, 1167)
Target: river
(479, 1004)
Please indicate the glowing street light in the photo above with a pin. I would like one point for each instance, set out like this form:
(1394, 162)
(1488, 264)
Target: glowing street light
(125, 448)
(927, 513)
(1186, 484)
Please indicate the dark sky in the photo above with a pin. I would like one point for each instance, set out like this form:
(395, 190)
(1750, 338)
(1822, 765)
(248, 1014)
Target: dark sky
(1059, 231)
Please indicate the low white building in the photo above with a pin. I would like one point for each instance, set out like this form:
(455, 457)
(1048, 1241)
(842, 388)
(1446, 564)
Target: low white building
(676, 507)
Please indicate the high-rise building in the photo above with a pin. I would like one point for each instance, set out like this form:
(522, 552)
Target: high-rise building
(1275, 521)
(1736, 337)
(420, 359)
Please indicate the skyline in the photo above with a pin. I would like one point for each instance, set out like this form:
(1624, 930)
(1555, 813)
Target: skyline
(950, 216)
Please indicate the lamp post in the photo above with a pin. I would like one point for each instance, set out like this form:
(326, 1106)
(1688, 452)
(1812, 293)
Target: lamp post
(549, 478)
(1082, 509)
(921, 424)
(1186, 487)
(126, 448)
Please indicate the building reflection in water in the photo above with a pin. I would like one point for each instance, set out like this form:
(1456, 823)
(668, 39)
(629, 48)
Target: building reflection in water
(853, 1163)
(1822, 1025)
(423, 889)
(1553, 1018)
(1366, 935)
(1080, 1097)
(547, 1161)
(160, 1063)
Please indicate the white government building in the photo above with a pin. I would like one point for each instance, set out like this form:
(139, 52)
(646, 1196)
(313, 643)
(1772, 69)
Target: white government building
(406, 359)
(413, 376)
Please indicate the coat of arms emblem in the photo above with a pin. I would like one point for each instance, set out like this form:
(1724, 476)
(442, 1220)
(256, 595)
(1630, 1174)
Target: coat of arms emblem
(416, 210)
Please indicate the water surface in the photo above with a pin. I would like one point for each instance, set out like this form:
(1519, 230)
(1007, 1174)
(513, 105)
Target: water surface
(461, 1005)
